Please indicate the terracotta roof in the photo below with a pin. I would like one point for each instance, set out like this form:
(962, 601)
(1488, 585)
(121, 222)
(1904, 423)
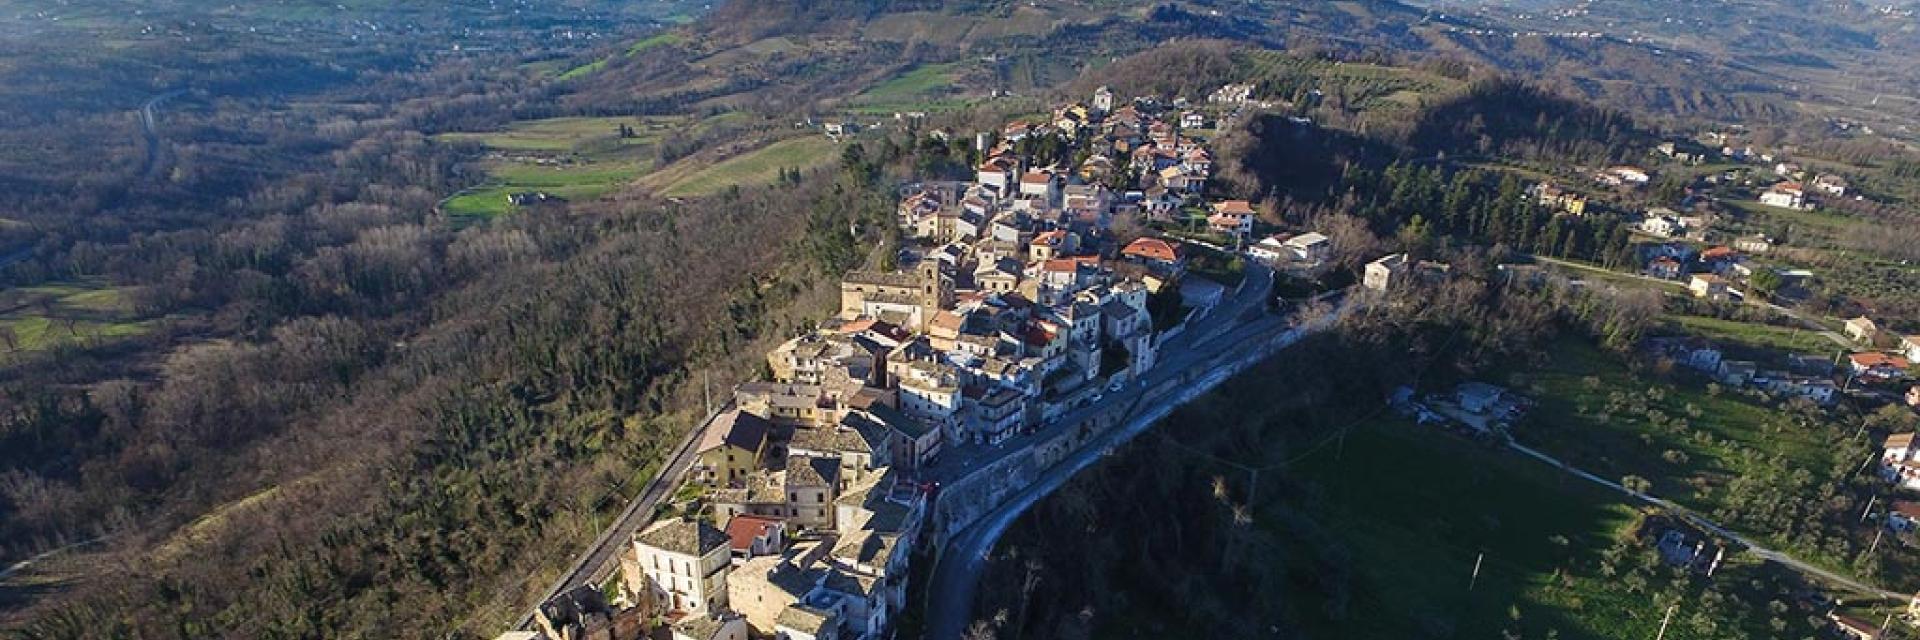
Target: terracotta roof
(1234, 207)
(1716, 253)
(1152, 249)
(947, 320)
(1899, 440)
(1907, 508)
(1870, 360)
(743, 528)
(1055, 236)
(1035, 177)
(1061, 265)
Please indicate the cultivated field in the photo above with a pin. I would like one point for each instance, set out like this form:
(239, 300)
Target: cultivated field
(74, 313)
(697, 177)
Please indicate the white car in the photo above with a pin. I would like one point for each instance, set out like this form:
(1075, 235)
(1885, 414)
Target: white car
(1117, 386)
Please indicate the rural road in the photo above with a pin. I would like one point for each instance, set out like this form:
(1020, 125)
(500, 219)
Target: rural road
(22, 565)
(1721, 531)
(1807, 323)
(149, 129)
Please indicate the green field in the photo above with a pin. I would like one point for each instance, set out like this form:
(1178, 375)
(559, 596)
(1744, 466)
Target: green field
(583, 70)
(568, 134)
(74, 313)
(1752, 335)
(762, 166)
(595, 159)
(1415, 537)
(1821, 228)
(657, 40)
(1691, 443)
(921, 82)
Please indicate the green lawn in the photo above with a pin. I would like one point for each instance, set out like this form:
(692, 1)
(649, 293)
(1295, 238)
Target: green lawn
(656, 40)
(597, 160)
(761, 166)
(918, 82)
(560, 135)
(583, 70)
(1821, 228)
(1752, 335)
(69, 313)
(1597, 415)
(1416, 508)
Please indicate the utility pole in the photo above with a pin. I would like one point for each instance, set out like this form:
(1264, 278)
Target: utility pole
(1664, 621)
(1878, 531)
(1869, 509)
(706, 390)
(1475, 580)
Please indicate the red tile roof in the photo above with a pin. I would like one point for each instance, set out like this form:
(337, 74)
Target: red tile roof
(1716, 253)
(1152, 249)
(1234, 207)
(743, 528)
(1872, 360)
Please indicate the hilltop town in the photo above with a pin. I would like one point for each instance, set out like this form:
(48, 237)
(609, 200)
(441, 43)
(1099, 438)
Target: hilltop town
(1022, 302)
(1028, 312)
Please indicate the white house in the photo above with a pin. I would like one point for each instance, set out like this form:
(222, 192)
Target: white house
(1897, 461)
(1310, 247)
(1663, 226)
(1269, 249)
(1786, 195)
(1832, 185)
(682, 565)
(1385, 272)
(1862, 329)
(1910, 345)
(1708, 286)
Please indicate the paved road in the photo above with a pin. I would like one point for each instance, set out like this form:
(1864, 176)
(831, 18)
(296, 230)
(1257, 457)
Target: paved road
(1715, 527)
(1227, 342)
(601, 559)
(958, 460)
(22, 565)
(150, 130)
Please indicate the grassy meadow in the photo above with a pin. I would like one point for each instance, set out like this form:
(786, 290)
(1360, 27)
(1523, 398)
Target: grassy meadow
(40, 318)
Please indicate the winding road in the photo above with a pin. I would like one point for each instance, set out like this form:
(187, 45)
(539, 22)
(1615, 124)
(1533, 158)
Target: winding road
(149, 129)
(1232, 338)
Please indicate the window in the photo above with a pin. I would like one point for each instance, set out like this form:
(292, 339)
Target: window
(819, 497)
